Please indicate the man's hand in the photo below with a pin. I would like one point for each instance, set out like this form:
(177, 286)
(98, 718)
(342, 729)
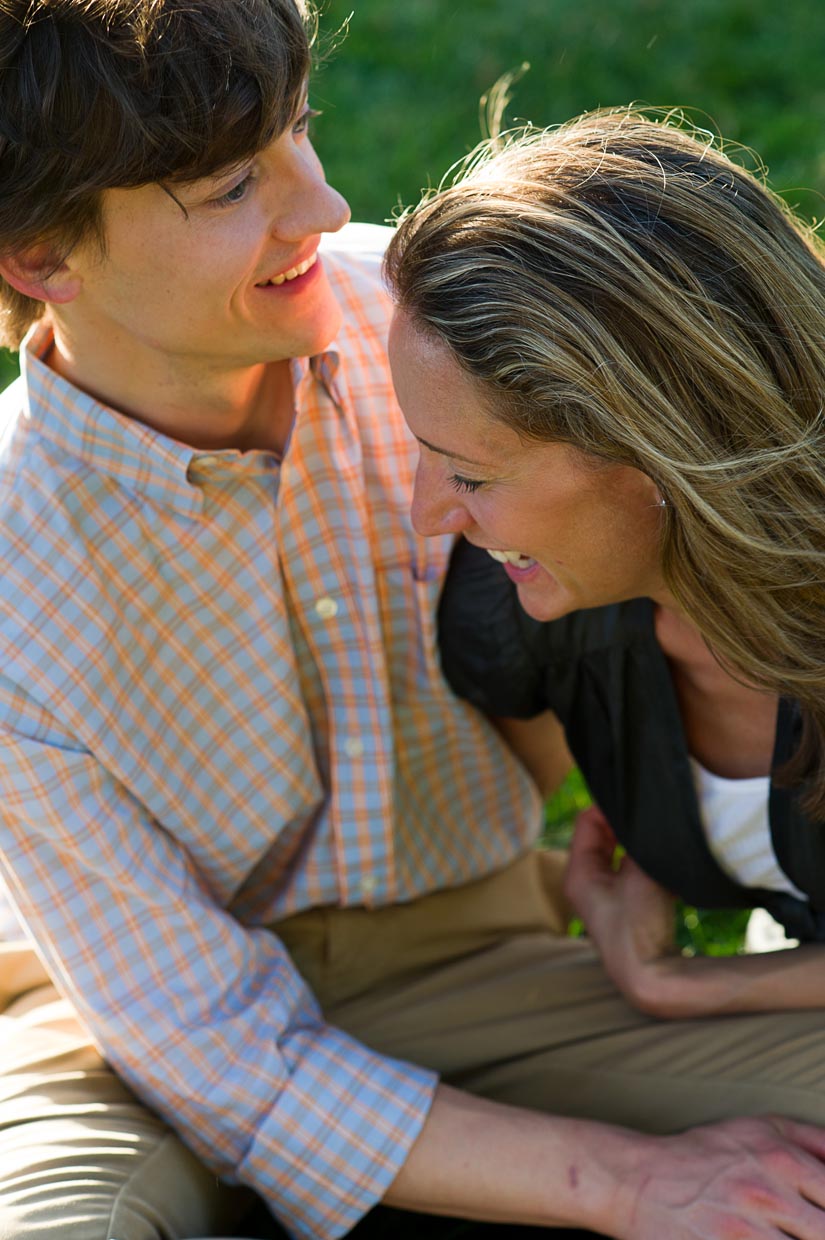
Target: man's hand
(747, 1179)
(628, 916)
(744, 1179)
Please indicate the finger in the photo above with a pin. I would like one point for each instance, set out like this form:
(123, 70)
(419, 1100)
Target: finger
(589, 864)
(592, 835)
(798, 1165)
(604, 826)
(588, 883)
(594, 817)
(801, 1219)
(810, 1137)
(633, 873)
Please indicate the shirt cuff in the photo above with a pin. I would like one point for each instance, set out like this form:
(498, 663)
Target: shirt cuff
(338, 1135)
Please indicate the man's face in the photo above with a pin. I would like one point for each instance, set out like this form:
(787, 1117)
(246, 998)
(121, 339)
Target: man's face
(232, 282)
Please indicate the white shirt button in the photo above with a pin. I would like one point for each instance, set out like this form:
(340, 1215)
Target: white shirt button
(368, 885)
(326, 607)
(354, 747)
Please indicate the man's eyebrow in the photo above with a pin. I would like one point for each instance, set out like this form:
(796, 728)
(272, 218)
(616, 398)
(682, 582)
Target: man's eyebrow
(454, 456)
(207, 184)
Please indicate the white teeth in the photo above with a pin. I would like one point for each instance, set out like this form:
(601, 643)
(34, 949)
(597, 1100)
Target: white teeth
(510, 557)
(294, 272)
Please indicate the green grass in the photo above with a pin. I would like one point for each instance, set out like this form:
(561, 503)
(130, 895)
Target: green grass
(8, 367)
(401, 95)
(561, 809)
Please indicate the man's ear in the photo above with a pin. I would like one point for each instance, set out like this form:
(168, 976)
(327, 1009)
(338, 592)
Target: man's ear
(39, 273)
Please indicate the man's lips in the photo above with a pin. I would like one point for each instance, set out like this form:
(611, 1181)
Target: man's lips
(291, 273)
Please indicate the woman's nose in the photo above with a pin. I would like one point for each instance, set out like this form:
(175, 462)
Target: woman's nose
(435, 507)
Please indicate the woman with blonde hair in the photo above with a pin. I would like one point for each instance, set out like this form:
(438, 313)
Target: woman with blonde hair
(610, 343)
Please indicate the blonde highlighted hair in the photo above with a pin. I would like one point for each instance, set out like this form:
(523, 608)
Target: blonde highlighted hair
(620, 284)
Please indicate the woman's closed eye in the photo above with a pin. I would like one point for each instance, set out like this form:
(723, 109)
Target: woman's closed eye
(464, 484)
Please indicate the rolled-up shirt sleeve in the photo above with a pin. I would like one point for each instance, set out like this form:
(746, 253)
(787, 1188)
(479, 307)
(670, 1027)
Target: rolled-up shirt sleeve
(206, 1018)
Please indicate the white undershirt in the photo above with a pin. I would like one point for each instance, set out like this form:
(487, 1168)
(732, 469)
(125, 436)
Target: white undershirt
(735, 820)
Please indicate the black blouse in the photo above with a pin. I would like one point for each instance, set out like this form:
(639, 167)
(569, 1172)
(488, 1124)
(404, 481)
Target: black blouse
(603, 673)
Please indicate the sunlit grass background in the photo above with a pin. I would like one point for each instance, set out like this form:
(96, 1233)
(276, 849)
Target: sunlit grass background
(400, 98)
(401, 95)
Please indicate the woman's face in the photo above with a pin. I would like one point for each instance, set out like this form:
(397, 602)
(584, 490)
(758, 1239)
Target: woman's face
(575, 532)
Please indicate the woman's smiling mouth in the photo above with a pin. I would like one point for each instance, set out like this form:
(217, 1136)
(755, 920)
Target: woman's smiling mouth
(517, 558)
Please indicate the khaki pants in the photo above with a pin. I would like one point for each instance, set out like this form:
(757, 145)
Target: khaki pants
(477, 983)
(80, 1157)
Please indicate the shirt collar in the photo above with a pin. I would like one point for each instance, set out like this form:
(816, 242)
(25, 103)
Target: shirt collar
(140, 458)
(324, 368)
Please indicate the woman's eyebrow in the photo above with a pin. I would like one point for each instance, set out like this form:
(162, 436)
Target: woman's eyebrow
(454, 456)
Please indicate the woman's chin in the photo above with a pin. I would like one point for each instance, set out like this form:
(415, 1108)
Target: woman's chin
(544, 598)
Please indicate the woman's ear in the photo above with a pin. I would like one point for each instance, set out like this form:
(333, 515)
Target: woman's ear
(38, 272)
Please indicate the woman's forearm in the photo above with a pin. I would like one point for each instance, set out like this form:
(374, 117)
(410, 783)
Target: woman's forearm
(629, 918)
(541, 746)
(675, 987)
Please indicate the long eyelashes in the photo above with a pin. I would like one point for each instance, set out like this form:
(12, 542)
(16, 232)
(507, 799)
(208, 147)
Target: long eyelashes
(464, 484)
(304, 121)
(236, 194)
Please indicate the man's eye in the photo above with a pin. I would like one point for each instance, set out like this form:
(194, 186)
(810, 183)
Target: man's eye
(236, 194)
(464, 484)
(303, 122)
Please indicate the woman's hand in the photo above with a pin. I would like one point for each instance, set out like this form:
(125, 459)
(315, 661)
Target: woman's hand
(628, 916)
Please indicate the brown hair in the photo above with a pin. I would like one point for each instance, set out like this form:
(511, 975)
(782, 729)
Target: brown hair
(620, 284)
(97, 94)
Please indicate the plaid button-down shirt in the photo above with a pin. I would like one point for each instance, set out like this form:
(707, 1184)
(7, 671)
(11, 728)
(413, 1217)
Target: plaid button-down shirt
(196, 648)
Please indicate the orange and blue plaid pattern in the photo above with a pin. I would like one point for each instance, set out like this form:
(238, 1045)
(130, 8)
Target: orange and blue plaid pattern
(220, 704)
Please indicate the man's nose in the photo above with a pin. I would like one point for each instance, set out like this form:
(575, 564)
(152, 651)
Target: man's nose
(314, 206)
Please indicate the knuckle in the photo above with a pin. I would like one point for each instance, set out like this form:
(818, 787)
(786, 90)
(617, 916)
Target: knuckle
(734, 1229)
(782, 1161)
(761, 1198)
(751, 1130)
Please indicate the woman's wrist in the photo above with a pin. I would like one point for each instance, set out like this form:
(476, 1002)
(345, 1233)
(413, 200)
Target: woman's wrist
(665, 987)
(678, 987)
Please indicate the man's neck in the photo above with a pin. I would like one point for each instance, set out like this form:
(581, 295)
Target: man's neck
(249, 407)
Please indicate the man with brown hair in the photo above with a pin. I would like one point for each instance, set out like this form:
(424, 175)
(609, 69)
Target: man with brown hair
(232, 777)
